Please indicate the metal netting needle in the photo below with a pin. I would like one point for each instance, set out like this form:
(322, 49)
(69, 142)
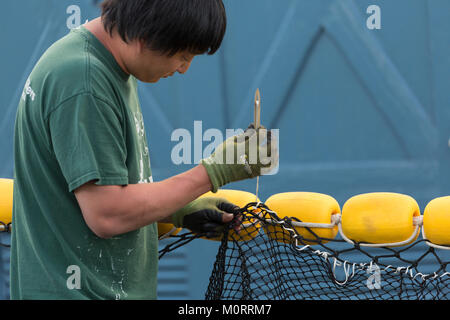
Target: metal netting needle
(257, 122)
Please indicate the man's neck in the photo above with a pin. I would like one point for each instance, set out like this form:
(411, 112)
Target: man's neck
(111, 43)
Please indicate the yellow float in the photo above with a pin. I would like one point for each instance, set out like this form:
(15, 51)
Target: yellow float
(166, 230)
(436, 221)
(6, 201)
(250, 227)
(380, 219)
(313, 209)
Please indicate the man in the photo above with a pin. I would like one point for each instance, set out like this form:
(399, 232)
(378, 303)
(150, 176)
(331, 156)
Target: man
(85, 206)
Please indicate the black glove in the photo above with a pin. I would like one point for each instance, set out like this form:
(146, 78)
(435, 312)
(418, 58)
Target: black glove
(205, 216)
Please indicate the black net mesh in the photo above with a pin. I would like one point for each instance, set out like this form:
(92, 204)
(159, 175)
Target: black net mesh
(271, 263)
(270, 260)
(274, 262)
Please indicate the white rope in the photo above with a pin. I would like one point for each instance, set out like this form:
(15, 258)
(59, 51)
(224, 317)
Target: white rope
(417, 221)
(335, 218)
(432, 244)
(359, 266)
(338, 263)
(336, 221)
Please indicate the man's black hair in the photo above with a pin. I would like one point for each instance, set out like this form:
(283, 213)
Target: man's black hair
(168, 26)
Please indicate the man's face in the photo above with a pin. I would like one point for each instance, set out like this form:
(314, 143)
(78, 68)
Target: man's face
(150, 66)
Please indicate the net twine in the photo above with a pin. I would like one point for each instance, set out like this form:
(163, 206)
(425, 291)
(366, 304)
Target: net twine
(265, 268)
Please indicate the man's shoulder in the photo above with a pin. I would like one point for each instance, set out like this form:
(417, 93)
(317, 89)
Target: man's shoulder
(68, 69)
(67, 54)
(63, 65)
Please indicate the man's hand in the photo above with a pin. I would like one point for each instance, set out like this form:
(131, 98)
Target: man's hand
(206, 215)
(242, 157)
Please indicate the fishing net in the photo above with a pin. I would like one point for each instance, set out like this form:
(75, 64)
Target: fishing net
(270, 260)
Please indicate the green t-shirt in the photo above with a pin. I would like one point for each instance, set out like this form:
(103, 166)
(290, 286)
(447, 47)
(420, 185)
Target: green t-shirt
(78, 119)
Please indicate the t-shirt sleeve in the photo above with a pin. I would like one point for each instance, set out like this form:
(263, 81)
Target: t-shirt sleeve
(88, 141)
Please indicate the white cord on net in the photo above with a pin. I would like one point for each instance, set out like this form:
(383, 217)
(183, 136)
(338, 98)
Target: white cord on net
(335, 218)
(417, 221)
(432, 244)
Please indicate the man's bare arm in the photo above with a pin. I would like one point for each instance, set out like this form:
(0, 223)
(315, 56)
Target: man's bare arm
(114, 210)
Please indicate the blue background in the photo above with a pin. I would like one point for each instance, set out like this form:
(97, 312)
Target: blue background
(358, 110)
